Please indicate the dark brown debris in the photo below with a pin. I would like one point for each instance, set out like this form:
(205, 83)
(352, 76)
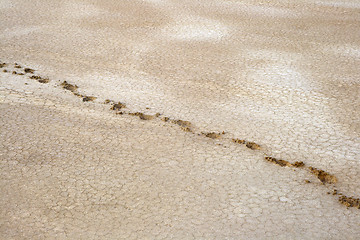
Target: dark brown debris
(281, 163)
(252, 145)
(186, 129)
(35, 77)
(14, 72)
(40, 79)
(350, 201)
(212, 135)
(157, 114)
(107, 101)
(323, 176)
(3, 65)
(29, 70)
(17, 65)
(43, 80)
(5, 70)
(165, 119)
(184, 125)
(307, 181)
(239, 141)
(118, 106)
(88, 98)
(142, 116)
(68, 86)
(298, 164)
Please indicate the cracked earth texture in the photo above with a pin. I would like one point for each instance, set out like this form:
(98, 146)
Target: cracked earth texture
(179, 119)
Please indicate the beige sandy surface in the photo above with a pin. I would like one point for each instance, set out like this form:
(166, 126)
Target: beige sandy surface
(282, 74)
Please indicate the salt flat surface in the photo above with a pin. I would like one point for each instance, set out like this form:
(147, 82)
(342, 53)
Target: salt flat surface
(282, 74)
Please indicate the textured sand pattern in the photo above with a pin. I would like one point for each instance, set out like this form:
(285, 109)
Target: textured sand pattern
(179, 120)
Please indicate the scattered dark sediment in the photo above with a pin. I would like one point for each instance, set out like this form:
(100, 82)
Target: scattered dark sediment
(88, 98)
(281, 163)
(117, 106)
(40, 79)
(142, 116)
(350, 201)
(165, 119)
(239, 141)
(253, 146)
(298, 164)
(184, 125)
(29, 70)
(70, 87)
(212, 135)
(323, 176)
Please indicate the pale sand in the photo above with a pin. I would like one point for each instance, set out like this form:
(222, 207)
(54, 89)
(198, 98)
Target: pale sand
(284, 75)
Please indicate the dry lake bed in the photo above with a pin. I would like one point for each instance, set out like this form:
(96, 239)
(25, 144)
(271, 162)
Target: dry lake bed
(169, 119)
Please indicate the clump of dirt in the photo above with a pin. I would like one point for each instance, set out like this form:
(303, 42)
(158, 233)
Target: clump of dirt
(281, 163)
(88, 98)
(68, 86)
(239, 141)
(307, 181)
(3, 65)
(184, 125)
(20, 74)
(78, 94)
(17, 65)
(157, 114)
(298, 164)
(350, 201)
(323, 176)
(165, 119)
(253, 146)
(29, 70)
(35, 77)
(107, 101)
(212, 135)
(5, 70)
(44, 80)
(118, 106)
(142, 116)
(40, 79)
(14, 72)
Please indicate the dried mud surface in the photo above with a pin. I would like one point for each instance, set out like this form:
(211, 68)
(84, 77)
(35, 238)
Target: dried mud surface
(218, 123)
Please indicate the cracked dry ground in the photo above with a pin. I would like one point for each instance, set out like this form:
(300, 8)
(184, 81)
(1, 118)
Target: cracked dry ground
(75, 170)
(167, 119)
